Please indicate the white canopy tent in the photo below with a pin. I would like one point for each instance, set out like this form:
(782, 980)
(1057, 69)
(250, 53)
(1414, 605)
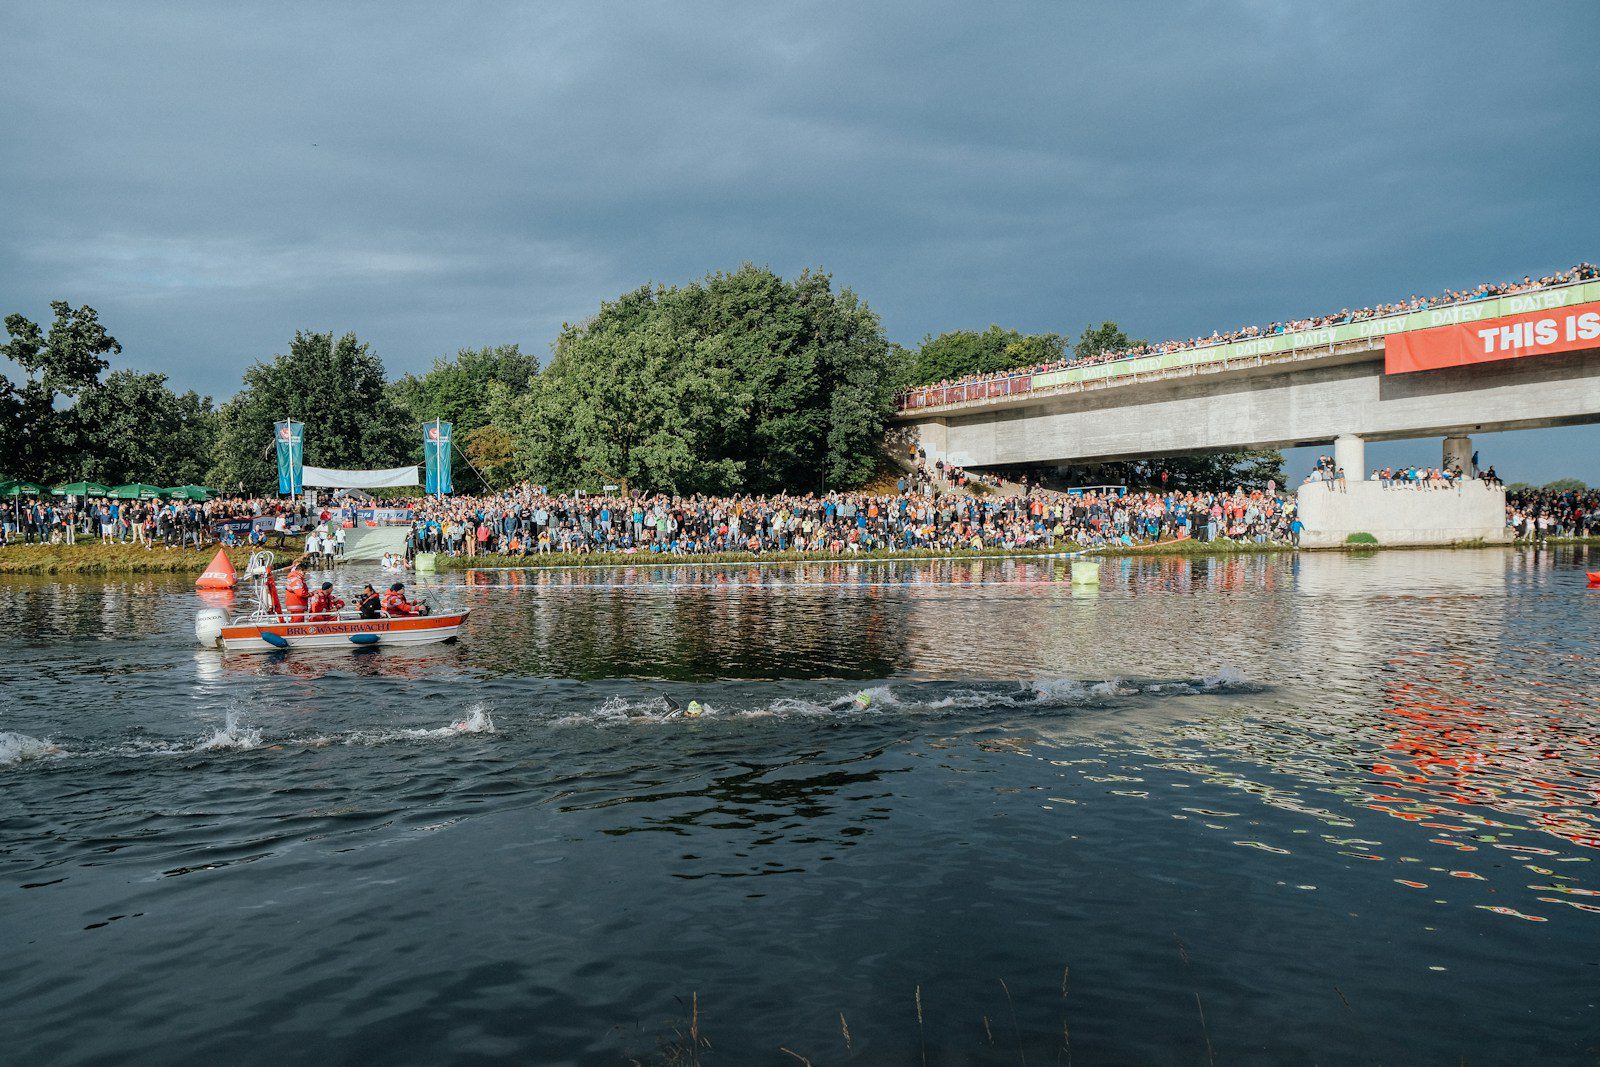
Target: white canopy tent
(323, 478)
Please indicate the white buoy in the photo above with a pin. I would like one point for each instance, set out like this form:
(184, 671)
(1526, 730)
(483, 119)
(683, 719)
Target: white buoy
(1085, 572)
(208, 626)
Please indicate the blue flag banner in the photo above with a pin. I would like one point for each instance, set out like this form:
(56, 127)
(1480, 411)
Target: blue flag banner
(436, 452)
(291, 453)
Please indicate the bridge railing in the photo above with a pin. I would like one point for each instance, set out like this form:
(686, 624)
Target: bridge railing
(1553, 296)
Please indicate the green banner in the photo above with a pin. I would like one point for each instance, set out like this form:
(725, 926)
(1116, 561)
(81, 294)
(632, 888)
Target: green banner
(1327, 336)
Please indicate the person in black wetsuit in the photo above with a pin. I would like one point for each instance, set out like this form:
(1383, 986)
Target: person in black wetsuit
(369, 602)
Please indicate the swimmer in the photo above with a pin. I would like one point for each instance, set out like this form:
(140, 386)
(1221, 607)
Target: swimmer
(674, 709)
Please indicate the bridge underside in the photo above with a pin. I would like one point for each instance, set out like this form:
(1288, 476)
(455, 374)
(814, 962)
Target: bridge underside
(1268, 407)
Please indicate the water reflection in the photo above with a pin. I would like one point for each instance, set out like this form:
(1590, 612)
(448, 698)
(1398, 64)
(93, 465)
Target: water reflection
(959, 770)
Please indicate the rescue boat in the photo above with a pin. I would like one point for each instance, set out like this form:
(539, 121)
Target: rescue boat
(269, 627)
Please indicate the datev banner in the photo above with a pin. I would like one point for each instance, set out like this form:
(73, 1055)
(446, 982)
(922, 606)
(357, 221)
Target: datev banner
(1535, 333)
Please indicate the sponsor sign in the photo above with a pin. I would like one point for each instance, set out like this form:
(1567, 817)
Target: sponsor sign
(1533, 333)
(372, 514)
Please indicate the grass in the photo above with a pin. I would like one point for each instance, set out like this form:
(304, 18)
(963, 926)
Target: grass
(91, 557)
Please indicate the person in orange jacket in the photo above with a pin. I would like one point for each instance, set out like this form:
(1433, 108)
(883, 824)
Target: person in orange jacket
(395, 602)
(295, 591)
(324, 603)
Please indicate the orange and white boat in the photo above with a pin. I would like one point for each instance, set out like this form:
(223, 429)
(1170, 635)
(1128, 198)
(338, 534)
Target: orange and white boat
(270, 628)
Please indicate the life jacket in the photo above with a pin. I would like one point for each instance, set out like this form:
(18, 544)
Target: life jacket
(395, 603)
(323, 600)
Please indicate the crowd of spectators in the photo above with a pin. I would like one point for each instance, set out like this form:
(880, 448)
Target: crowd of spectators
(930, 509)
(1581, 272)
(530, 521)
(169, 524)
(1536, 514)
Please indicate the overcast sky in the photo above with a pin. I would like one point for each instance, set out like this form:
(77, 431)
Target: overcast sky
(212, 177)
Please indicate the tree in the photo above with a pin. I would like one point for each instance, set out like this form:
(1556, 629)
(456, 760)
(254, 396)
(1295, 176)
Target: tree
(135, 429)
(39, 436)
(744, 381)
(958, 353)
(337, 388)
(457, 391)
(1098, 340)
(492, 451)
(1566, 485)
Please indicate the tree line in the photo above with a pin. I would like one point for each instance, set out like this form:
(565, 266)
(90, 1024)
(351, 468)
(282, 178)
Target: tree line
(740, 382)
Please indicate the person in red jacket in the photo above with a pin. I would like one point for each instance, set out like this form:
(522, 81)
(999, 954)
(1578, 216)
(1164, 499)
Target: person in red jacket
(324, 603)
(295, 591)
(395, 602)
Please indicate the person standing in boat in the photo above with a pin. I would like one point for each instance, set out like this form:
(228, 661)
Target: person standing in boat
(395, 602)
(295, 591)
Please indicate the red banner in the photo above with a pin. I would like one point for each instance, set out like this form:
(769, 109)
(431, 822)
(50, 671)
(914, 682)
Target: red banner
(1535, 333)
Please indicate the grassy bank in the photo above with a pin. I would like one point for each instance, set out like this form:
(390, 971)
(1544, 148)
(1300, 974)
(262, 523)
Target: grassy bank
(94, 558)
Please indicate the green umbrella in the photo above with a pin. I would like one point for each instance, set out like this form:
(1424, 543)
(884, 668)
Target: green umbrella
(136, 491)
(190, 492)
(22, 488)
(84, 489)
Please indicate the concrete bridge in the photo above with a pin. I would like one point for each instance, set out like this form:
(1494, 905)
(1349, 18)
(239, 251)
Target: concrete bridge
(1314, 387)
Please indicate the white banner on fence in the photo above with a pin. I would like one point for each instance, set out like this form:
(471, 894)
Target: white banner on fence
(331, 479)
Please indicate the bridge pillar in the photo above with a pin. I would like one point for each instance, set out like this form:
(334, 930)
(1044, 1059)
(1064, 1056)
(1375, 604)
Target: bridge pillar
(1350, 452)
(1458, 453)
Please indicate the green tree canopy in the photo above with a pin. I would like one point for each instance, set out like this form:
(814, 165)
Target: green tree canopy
(1106, 337)
(1567, 485)
(135, 429)
(457, 391)
(744, 381)
(39, 435)
(337, 388)
(958, 353)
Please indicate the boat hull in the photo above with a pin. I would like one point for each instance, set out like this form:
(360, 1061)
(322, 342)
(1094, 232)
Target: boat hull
(284, 633)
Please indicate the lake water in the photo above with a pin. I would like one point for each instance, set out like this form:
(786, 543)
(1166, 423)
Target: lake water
(1255, 810)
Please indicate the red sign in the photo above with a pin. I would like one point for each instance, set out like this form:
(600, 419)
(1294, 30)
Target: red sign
(1534, 333)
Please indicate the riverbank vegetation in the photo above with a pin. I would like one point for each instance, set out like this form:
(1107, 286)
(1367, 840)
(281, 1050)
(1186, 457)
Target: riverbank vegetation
(91, 557)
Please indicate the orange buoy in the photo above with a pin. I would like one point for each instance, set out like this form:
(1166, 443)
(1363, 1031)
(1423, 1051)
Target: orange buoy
(1594, 577)
(219, 575)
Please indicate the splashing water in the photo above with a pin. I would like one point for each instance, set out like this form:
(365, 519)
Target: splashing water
(1226, 678)
(233, 737)
(478, 721)
(14, 748)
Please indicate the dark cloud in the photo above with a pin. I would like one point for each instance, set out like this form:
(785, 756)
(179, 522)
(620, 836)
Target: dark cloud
(213, 177)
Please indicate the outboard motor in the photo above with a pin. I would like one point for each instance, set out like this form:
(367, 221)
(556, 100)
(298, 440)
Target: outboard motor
(208, 626)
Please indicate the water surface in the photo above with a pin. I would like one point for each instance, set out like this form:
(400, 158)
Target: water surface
(1320, 809)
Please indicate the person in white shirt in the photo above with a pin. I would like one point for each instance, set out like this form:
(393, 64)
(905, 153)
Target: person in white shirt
(338, 542)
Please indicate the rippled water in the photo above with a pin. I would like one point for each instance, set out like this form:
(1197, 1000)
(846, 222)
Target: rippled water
(1325, 809)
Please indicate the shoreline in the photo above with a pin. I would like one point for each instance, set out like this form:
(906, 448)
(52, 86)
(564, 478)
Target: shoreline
(97, 559)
